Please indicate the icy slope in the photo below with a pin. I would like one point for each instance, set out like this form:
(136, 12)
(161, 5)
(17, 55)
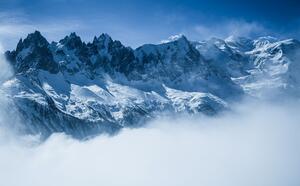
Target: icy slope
(85, 89)
(264, 67)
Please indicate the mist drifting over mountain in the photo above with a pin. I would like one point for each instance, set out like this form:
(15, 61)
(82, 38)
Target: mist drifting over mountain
(252, 140)
(137, 93)
(255, 145)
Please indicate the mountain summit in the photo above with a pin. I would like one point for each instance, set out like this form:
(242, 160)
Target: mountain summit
(84, 89)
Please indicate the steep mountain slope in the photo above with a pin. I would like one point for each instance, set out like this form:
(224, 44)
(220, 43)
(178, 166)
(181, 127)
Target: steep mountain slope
(85, 89)
(276, 67)
(264, 67)
(178, 64)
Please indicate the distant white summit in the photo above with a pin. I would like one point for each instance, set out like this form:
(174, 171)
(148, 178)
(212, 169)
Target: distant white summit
(173, 38)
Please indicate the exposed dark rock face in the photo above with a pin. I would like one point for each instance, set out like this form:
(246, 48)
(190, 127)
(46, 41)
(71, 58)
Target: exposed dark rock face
(84, 89)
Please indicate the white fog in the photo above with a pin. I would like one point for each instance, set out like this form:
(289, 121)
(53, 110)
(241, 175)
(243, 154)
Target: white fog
(256, 144)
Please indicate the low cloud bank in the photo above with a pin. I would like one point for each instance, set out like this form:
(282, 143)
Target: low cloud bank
(255, 144)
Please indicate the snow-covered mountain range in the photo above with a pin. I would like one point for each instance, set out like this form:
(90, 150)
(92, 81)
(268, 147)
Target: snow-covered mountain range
(84, 89)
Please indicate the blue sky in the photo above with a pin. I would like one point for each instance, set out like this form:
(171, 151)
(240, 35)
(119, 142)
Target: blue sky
(135, 22)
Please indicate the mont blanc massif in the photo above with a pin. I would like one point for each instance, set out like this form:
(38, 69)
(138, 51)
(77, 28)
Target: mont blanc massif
(84, 89)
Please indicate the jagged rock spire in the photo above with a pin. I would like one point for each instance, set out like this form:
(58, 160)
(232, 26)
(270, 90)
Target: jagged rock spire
(72, 41)
(32, 53)
(34, 39)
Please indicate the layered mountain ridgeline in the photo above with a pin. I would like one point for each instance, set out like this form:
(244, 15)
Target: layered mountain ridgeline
(84, 89)
(264, 67)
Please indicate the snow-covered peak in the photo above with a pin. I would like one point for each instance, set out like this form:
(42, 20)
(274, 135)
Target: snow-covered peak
(234, 39)
(274, 45)
(263, 41)
(290, 42)
(267, 38)
(221, 44)
(239, 43)
(178, 37)
(177, 45)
